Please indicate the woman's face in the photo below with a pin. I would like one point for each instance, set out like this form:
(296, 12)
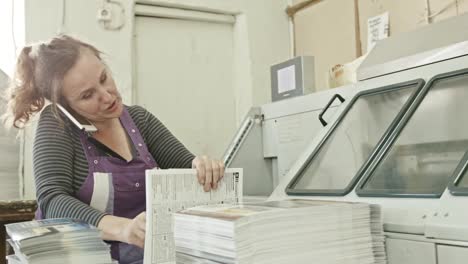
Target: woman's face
(90, 91)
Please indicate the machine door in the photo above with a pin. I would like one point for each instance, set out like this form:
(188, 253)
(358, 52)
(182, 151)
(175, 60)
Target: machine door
(334, 166)
(184, 74)
(427, 145)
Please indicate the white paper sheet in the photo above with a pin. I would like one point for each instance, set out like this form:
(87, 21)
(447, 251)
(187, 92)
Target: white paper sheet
(377, 29)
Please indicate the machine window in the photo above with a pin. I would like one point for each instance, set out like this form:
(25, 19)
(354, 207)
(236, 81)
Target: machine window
(428, 144)
(333, 167)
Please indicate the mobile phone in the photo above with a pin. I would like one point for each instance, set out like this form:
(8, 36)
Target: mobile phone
(89, 127)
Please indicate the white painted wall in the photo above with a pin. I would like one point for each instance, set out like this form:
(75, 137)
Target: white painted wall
(11, 33)
(261, 37)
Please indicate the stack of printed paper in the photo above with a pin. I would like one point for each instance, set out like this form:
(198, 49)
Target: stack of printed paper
(56, 241)
(172, 190)
(290, 231)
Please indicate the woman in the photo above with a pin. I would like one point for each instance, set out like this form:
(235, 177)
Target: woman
(128, 141)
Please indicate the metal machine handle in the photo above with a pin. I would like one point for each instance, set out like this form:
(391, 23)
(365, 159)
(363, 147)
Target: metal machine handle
(324, 123)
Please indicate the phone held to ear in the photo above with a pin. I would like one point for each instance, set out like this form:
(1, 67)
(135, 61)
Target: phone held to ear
(86, 127)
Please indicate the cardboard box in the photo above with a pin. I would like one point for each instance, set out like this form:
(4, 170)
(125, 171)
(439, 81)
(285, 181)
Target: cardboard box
(327, 31)
(462, 6)
(444, 8)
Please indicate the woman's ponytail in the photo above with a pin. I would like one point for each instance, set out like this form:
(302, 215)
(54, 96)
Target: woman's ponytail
(24, 97)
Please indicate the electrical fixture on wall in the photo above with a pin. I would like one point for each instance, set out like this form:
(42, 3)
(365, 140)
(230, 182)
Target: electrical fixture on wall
(104, 14)
(111, 15)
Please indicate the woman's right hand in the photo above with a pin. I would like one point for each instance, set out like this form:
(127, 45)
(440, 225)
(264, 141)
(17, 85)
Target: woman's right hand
(130, 231)
(134, 231)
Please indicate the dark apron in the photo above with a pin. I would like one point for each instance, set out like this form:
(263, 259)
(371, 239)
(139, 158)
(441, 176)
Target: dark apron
(116, 186)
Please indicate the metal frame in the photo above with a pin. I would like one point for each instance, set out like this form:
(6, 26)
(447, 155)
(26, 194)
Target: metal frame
(174, 12)
(240, 136)
(457, 175)
(367, 174)
(341, 192)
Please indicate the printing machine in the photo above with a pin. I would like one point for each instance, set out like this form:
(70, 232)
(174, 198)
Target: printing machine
(399, 140)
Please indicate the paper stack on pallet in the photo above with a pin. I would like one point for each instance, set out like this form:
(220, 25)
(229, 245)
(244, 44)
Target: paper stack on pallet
(56, 241)
(290, 231)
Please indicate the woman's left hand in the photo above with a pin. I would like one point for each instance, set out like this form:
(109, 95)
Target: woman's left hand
(209, 171)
